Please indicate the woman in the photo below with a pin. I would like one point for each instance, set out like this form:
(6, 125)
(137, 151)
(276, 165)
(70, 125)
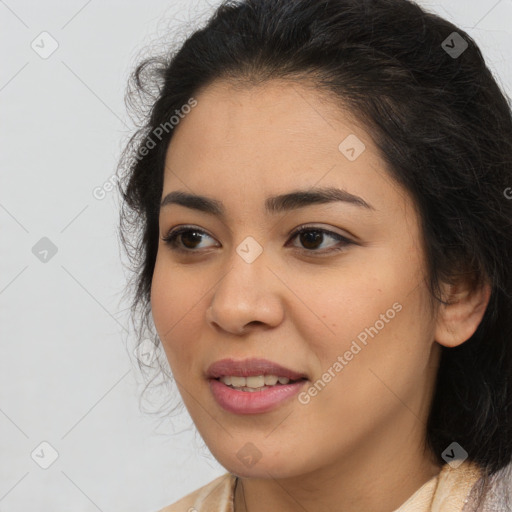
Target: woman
(322, 239)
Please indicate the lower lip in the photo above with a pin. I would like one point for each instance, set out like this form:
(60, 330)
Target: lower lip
(247, 402)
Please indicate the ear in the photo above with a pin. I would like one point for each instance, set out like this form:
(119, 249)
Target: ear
(458, 320)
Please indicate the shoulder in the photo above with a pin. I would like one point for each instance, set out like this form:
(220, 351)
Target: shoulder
(454, 486)
(216, 496)
(496, 496)
(445, 492)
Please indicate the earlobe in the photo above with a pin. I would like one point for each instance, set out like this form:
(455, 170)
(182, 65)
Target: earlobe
(458, 320)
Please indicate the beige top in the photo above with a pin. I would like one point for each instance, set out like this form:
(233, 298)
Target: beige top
(445, 492)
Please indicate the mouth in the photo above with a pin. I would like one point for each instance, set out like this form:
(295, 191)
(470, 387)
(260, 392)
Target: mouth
(256, 382)
(252, 386)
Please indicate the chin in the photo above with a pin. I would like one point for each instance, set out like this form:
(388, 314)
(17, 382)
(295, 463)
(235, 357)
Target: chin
(272, 467)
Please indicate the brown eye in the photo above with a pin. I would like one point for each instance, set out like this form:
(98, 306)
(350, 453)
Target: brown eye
(311, 239)
(190, 239)
(185, 239)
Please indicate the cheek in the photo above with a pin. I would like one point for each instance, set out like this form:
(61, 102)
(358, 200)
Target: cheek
(176, 309)
(342, 305)
(375, 317)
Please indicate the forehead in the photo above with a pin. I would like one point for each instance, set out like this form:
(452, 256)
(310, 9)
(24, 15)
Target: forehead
(276, 113)
(268, 138)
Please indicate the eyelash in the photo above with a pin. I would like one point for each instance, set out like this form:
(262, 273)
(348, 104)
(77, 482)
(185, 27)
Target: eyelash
(171, 239)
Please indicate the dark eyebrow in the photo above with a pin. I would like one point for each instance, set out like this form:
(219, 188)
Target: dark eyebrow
(274, 204)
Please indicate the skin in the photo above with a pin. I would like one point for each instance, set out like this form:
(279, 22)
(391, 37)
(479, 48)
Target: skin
(359, 444)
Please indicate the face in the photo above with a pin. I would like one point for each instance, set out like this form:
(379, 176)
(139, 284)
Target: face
(342, 307)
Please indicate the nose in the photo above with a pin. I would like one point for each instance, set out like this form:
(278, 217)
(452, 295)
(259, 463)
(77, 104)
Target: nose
(248, 295)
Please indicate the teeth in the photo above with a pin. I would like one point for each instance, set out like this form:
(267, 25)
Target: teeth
(254, 382)
(238, 381)
(271, 380)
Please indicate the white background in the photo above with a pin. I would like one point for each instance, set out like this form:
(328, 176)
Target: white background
(67, 375)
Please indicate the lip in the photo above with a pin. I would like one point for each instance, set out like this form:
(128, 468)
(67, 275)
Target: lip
(250, 368)
(257, 402)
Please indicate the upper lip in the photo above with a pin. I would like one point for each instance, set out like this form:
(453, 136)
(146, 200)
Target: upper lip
(250, 368)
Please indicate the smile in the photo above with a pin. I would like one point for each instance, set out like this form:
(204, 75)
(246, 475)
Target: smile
(252, 386)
